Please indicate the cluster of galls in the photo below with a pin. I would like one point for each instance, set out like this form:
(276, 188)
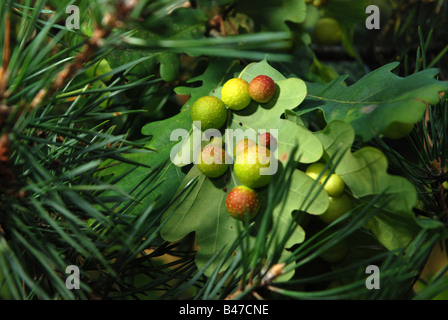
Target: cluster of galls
(242, 202)
(339, 204)
(339, 201)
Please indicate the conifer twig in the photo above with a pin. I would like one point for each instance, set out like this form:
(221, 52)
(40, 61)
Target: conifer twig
(274, 272)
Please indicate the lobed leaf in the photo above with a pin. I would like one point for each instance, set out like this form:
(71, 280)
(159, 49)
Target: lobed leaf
(365, 174)
(376, 100)
(203, 211)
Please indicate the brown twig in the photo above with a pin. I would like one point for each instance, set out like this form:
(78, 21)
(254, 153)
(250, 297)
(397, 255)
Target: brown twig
(275, 271)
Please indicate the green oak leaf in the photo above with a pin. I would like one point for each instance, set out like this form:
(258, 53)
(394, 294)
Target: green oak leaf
(168, 63)
(349, 14)
(121, 56)
(155, 181)
(274, 13)
(303, 189)
(376, 100)
(214, 76)
(290, 93)
(152, 182)
(365, 174)
(203, 210)
(180, 24)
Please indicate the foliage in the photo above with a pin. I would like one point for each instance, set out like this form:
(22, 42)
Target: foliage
(377, 100)
(92, 176)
